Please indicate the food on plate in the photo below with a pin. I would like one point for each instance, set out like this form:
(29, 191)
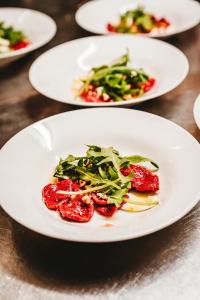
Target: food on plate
(114, 82)
(11, 39)
(103, 181)
(138, 21)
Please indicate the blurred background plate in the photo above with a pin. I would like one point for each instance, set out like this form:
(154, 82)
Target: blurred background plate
(37, 26)
(182, 14)
(54, 72)
(196, 111)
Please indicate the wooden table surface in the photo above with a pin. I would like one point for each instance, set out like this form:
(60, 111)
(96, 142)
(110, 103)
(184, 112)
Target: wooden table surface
(164, 265)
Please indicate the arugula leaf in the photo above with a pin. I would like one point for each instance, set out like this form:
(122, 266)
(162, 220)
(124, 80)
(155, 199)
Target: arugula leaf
(145, 22)
(135, 159)
(102, 172)
(122, 61)
(117, 197)
(110, 155)
(133, 14)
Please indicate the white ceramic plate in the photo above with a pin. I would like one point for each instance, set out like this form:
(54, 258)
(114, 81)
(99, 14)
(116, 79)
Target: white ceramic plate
(27, 162)
(196, 111)
(54, 72)
(182, 14)
(38, 27)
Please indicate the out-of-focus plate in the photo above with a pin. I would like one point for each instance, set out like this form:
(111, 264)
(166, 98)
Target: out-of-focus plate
(38, 27)
(54, 72)
(182, 14)
(196, 111)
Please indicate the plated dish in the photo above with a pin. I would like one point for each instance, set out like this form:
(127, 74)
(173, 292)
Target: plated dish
(101, 180)
(147, 74)
(196, 111)
(117, 16)
(36, 151)
(137, 20)
(18, 33)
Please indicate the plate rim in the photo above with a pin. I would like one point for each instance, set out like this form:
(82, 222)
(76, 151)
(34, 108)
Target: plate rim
(112, 104)
(189, 207)
(196, 111)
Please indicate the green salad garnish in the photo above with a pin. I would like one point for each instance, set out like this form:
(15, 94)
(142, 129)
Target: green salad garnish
(137, 21)
(11, 39)
(115, 82)
(10, 34)
(100, 169)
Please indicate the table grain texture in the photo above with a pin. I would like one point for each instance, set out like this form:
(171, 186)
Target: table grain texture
(164, 265)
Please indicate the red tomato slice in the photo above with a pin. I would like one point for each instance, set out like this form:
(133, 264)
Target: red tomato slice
(90, 96)
(76, 210)
(68, 185)
(163, 23)
(20, 45)
(51, 198)
(107, 210)
(146, 86)
(98, 200)
(110, 27)
(143, 180)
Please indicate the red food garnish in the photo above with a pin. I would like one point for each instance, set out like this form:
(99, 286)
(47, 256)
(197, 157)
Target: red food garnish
(20, 45)
(143, 180)
(68, 185)
(91, 95)
(147, 85)
(107, 210)
(98, 200)
(163, 23)
(76, 210)
(110, 27)
(51, 198)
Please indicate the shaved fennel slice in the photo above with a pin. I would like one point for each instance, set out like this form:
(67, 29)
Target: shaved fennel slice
(137, 202)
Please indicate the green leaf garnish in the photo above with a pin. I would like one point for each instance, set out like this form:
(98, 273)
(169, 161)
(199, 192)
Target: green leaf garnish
(100, 168)
(116, 80)
(9, 33)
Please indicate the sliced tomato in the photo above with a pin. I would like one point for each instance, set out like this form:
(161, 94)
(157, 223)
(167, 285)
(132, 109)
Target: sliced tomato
(50, 196)
(110, 27)
(90, 96)
(107, 210)
(147, 85)
(163, 23)
(143, 180)
(98, 200)
(76, 210)
(20, 45)
(68, 185)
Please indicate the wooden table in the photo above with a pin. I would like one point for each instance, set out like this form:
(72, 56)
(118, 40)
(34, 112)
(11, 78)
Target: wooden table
(164, 265)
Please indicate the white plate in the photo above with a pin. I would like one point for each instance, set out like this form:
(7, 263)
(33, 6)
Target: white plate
(28, 159)
(196, 111)
(182, 14)
(53, 73)
(38, 27)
